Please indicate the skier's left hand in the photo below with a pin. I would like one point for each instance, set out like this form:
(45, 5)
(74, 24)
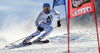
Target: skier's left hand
(40, 28)
(58, 23)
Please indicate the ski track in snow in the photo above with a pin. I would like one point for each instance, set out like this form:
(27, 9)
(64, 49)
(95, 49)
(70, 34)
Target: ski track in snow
(83, 41)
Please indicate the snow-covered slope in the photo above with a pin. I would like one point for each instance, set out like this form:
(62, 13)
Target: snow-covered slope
(83, 37)
(83, 41)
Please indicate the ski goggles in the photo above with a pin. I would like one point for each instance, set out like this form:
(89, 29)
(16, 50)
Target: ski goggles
(46, 8)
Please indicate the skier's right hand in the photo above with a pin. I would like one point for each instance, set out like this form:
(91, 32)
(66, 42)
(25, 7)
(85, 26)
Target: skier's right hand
(40, 28)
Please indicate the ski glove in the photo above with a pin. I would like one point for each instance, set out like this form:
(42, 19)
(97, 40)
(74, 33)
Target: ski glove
(40, 28)
(58, 23)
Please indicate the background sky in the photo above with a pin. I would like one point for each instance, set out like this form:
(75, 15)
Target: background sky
(15, 12)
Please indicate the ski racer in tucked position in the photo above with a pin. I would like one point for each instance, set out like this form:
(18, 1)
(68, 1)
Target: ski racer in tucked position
(43, 23)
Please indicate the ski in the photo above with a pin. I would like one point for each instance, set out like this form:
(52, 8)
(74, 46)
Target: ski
(38, 42)
(12, 46)
(45, 41)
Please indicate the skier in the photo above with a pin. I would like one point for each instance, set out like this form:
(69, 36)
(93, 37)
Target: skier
(43, 23)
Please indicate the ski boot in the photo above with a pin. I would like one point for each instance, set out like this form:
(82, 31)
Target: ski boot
(26, 43)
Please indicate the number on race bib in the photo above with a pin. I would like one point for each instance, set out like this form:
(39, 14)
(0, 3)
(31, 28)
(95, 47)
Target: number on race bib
(49, 19)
